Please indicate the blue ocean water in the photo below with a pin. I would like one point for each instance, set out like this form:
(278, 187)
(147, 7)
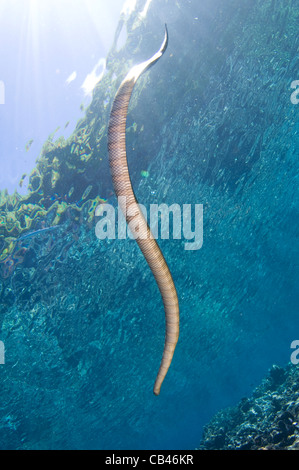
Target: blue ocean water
(214, 122)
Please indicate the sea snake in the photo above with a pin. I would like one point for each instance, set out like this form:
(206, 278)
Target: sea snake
(126, 198)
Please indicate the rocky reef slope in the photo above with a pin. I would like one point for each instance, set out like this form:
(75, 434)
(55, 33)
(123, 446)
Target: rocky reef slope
(266, 421)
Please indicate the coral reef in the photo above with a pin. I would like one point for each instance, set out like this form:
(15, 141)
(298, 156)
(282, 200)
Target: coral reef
(269, 420)
(70, 175)
(214, 125)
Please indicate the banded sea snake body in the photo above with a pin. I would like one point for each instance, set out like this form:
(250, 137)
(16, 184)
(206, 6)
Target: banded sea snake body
(124, 191)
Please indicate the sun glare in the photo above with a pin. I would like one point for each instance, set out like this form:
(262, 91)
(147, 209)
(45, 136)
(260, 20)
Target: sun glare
(94, 77)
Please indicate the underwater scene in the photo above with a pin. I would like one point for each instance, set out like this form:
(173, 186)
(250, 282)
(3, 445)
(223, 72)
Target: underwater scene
(188, 339)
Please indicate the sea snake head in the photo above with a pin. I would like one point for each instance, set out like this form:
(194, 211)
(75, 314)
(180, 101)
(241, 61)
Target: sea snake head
(138, 69)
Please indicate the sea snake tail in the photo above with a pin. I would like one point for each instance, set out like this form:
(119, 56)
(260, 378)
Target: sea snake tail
(124, 191)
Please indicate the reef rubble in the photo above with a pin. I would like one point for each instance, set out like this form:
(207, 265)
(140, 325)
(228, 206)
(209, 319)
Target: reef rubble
(268, 420)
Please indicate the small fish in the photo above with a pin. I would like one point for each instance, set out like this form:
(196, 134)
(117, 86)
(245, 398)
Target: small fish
(28, 145)
(37, 232)
(22, 180)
